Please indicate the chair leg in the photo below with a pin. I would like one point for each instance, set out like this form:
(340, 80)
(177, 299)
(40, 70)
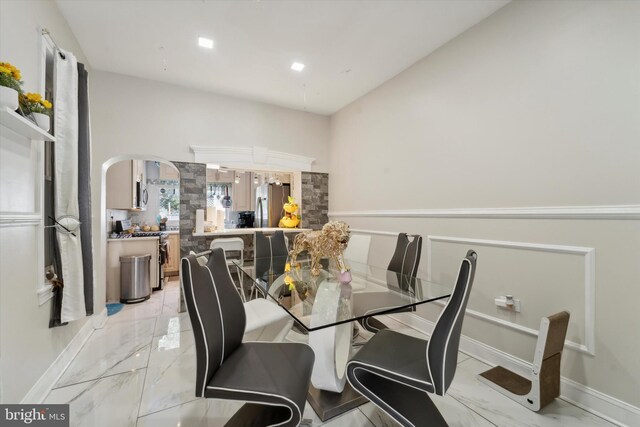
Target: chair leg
(407, 405)
(241, 290)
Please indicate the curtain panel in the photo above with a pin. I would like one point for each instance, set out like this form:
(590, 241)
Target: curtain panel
(72, 195)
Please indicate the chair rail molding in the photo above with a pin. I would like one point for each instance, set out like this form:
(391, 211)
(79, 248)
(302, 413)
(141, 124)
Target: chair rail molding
(251, 157)
(588, 254)
(374, 232)
(538, 212)
(20, 219)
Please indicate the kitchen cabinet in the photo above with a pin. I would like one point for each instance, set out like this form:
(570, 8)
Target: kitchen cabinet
(173, 266)
(122, 179)
(168, 172)
(243, 193)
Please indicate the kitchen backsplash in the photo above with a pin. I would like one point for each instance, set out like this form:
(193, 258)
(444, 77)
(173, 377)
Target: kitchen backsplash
(114, 215)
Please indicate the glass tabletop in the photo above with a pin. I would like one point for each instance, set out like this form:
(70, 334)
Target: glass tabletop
(317, 302)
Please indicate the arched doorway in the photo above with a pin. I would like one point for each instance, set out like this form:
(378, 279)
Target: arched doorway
(139, 208)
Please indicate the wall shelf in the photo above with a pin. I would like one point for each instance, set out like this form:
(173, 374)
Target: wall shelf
(23, 126)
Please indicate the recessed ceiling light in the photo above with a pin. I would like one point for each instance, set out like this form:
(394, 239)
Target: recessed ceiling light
(296, 66)
(205, 42)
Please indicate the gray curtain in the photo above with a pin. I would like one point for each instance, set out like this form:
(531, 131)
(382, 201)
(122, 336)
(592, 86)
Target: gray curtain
(84, 185)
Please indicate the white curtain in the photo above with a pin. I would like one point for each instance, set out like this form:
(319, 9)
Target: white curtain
(66, 184)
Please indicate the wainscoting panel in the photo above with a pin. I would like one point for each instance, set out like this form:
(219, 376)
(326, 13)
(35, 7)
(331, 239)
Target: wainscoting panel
(563, 275)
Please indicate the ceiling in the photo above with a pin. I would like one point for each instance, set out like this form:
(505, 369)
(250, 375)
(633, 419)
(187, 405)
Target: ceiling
(348, 47)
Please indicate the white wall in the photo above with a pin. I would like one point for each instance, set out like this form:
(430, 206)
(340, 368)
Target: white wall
(144, 119)
(138, 116)
(24, 325)
(537, 106)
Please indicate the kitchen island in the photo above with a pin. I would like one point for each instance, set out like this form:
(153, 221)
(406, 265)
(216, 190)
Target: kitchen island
(246, 234)
(242, 231)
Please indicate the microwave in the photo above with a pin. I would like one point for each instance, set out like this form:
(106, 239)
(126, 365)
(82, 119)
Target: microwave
(141, 197)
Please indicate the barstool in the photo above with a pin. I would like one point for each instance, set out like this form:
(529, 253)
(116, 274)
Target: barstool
(233, 244)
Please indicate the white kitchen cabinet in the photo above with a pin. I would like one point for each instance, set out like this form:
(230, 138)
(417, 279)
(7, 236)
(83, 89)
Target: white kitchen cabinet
(122, 178)
(243, 193)
(172, 268)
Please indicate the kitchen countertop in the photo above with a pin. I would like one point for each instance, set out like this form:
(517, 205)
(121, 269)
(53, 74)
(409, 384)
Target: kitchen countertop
(133, 239)
(240, 231)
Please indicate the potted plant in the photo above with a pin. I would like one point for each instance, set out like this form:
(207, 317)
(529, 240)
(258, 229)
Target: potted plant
(10, 86)
(40, 107)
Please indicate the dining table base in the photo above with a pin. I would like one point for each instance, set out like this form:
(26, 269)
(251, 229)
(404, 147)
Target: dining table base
(328, 404)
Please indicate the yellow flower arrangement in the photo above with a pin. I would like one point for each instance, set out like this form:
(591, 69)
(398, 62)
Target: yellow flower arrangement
(288, 280)
(35, 103)
(10, 76)
(7, 68)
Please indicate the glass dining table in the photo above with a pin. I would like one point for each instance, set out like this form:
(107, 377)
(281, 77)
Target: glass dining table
(326, 306)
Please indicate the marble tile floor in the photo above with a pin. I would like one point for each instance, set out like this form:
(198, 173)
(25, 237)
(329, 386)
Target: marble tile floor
(138, 370)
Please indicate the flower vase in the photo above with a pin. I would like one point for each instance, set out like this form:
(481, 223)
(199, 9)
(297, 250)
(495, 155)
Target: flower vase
(8, 98)
(43, 121)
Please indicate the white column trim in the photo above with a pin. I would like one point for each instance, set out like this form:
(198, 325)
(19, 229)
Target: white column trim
(588, 346)
(615, 212)
(260, 158)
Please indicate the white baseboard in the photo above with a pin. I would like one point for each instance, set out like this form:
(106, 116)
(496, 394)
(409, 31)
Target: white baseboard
(45, 383)
(587, 398)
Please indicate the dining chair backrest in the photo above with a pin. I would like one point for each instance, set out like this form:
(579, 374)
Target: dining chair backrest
(358, 249)
(442, 348)
(406, 257)
(270, 246)
(235, 244)
(270, 252)
(217, 332)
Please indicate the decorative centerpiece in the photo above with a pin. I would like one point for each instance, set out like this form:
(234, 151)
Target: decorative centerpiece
(10, 86)
(330, 242)
(290, 218)
(39, 107)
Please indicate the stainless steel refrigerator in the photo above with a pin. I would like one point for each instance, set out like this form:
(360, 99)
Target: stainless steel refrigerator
(269, 201)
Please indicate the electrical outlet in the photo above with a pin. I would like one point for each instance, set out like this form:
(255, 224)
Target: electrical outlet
(508, 302)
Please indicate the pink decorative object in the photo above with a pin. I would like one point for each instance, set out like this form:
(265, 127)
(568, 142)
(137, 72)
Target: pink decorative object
(345, 277)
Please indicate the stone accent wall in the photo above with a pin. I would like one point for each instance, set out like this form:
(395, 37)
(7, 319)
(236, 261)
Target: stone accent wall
(315, 200)
(193, 196)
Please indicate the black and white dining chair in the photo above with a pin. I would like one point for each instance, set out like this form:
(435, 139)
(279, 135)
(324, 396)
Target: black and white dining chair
(265, 321)
(404, 262)
(396, 371)
(272, 378)
(234, 253)
(270, 252)
(357, 249)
